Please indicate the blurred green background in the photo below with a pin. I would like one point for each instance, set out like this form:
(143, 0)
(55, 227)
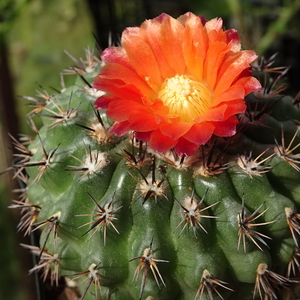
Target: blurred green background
(33, 37)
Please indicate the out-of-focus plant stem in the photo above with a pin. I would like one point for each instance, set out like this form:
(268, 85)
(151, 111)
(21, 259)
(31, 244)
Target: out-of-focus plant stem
(285, 14)
(239, 21)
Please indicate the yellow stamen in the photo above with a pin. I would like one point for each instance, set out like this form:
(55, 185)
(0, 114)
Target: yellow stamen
(185, 97)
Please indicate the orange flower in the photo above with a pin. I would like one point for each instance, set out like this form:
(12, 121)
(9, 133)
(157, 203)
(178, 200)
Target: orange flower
(176, 82)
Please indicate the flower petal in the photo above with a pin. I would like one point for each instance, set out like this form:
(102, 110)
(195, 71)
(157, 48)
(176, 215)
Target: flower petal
(215, 114)
(249, 84)
(142, 120)
(185, 147)
(200, 133)
(103, 101)
(118, 109)
(113, 71)
(120, 90)
(142, 58)
(116, 55)
(214, 59)
(171, 38)
(175, 130)
(194, 55)
(233, 108)
(143, 136)
(228, 127)
(233, 93)
(161, 142)
(169, 64)
(215, 24)
(120, 128)
(233, 40)
(233, 65)
(150, 32)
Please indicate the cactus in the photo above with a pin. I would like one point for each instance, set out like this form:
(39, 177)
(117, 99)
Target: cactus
(127, 217)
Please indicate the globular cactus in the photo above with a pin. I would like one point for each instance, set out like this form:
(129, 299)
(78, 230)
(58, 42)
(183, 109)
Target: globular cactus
(178, 182)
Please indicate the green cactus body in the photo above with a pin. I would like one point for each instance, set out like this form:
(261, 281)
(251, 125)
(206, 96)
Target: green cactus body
(136, 217)
(137, 224)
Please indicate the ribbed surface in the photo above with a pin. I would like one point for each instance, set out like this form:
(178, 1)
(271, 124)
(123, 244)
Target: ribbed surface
(81, 169)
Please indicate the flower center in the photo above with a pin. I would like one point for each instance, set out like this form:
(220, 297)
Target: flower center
(185, 97)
